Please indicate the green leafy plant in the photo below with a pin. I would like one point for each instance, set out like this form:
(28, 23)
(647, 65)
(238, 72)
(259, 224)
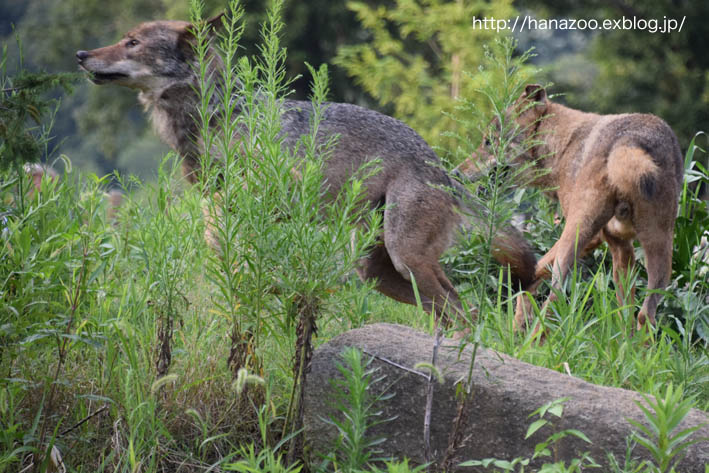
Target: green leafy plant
(664, 416)
(356, 413)
(693, 217)
(266, 460)
(550, 444)
(166, 246)
(630, 464)
(547, 448)
(269, 458)
(26, 114)
(398, 467)
(53, 260)
(690, 258)
(15, 440)
(282, 244)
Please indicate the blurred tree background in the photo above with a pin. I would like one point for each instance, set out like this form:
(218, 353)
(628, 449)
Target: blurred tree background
(406, 58)
(415, 60)
(620, 71)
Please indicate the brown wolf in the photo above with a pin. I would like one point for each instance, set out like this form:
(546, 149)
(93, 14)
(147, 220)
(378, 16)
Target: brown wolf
(617, 177)
(420, 221)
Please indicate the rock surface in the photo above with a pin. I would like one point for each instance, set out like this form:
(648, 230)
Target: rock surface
(506, 391)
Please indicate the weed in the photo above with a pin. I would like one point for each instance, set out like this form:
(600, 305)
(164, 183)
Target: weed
(664, 416)
(356, 413)
(546, 448)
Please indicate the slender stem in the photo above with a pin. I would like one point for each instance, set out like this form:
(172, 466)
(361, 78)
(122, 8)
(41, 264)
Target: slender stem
(427, 453)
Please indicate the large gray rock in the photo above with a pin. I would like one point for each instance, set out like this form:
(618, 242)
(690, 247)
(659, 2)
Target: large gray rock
(506, 392)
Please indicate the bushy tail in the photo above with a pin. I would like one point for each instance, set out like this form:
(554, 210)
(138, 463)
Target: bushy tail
(512, 250)
(508, 245)
(632, 171)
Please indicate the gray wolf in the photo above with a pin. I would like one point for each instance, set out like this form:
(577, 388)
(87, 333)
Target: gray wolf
(617, 178)
(420, 218)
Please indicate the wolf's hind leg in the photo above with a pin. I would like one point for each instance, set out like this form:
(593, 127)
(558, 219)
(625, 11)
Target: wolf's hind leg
(623, 261)
(581, 227)
(420, 223)
(377, 266)
(435, 289)
(420, 265)
(658, 256)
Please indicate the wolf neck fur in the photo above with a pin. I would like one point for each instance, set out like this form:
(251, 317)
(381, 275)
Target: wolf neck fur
(173, 119)
(176, 121)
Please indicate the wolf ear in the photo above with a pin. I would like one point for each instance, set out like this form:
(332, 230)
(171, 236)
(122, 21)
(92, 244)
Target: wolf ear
(186, 41)
(186, 38)
(535, 93)
(216, 23)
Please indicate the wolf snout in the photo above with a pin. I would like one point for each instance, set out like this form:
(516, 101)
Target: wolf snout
(81, 55)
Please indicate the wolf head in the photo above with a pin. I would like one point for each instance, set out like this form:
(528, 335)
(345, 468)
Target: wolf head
(521, 122)
(150, 57)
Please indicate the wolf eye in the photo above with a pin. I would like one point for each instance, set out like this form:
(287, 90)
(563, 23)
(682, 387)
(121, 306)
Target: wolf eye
(132, 43)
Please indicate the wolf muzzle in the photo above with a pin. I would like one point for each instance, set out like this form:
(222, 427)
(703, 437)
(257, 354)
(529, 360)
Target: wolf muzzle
(94, 76)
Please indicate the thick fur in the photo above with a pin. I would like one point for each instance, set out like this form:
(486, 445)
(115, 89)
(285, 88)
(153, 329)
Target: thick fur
(617, 177)
(421, 220)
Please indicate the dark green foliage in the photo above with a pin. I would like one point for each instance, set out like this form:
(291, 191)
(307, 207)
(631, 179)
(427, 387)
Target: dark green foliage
(24, 112)
(417, 57)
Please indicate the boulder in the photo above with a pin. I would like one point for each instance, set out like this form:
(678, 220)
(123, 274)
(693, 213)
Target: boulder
(506, 392)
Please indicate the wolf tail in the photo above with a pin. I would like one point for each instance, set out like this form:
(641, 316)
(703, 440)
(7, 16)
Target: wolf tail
(512, 250)
(632, 171)
(508, 246)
